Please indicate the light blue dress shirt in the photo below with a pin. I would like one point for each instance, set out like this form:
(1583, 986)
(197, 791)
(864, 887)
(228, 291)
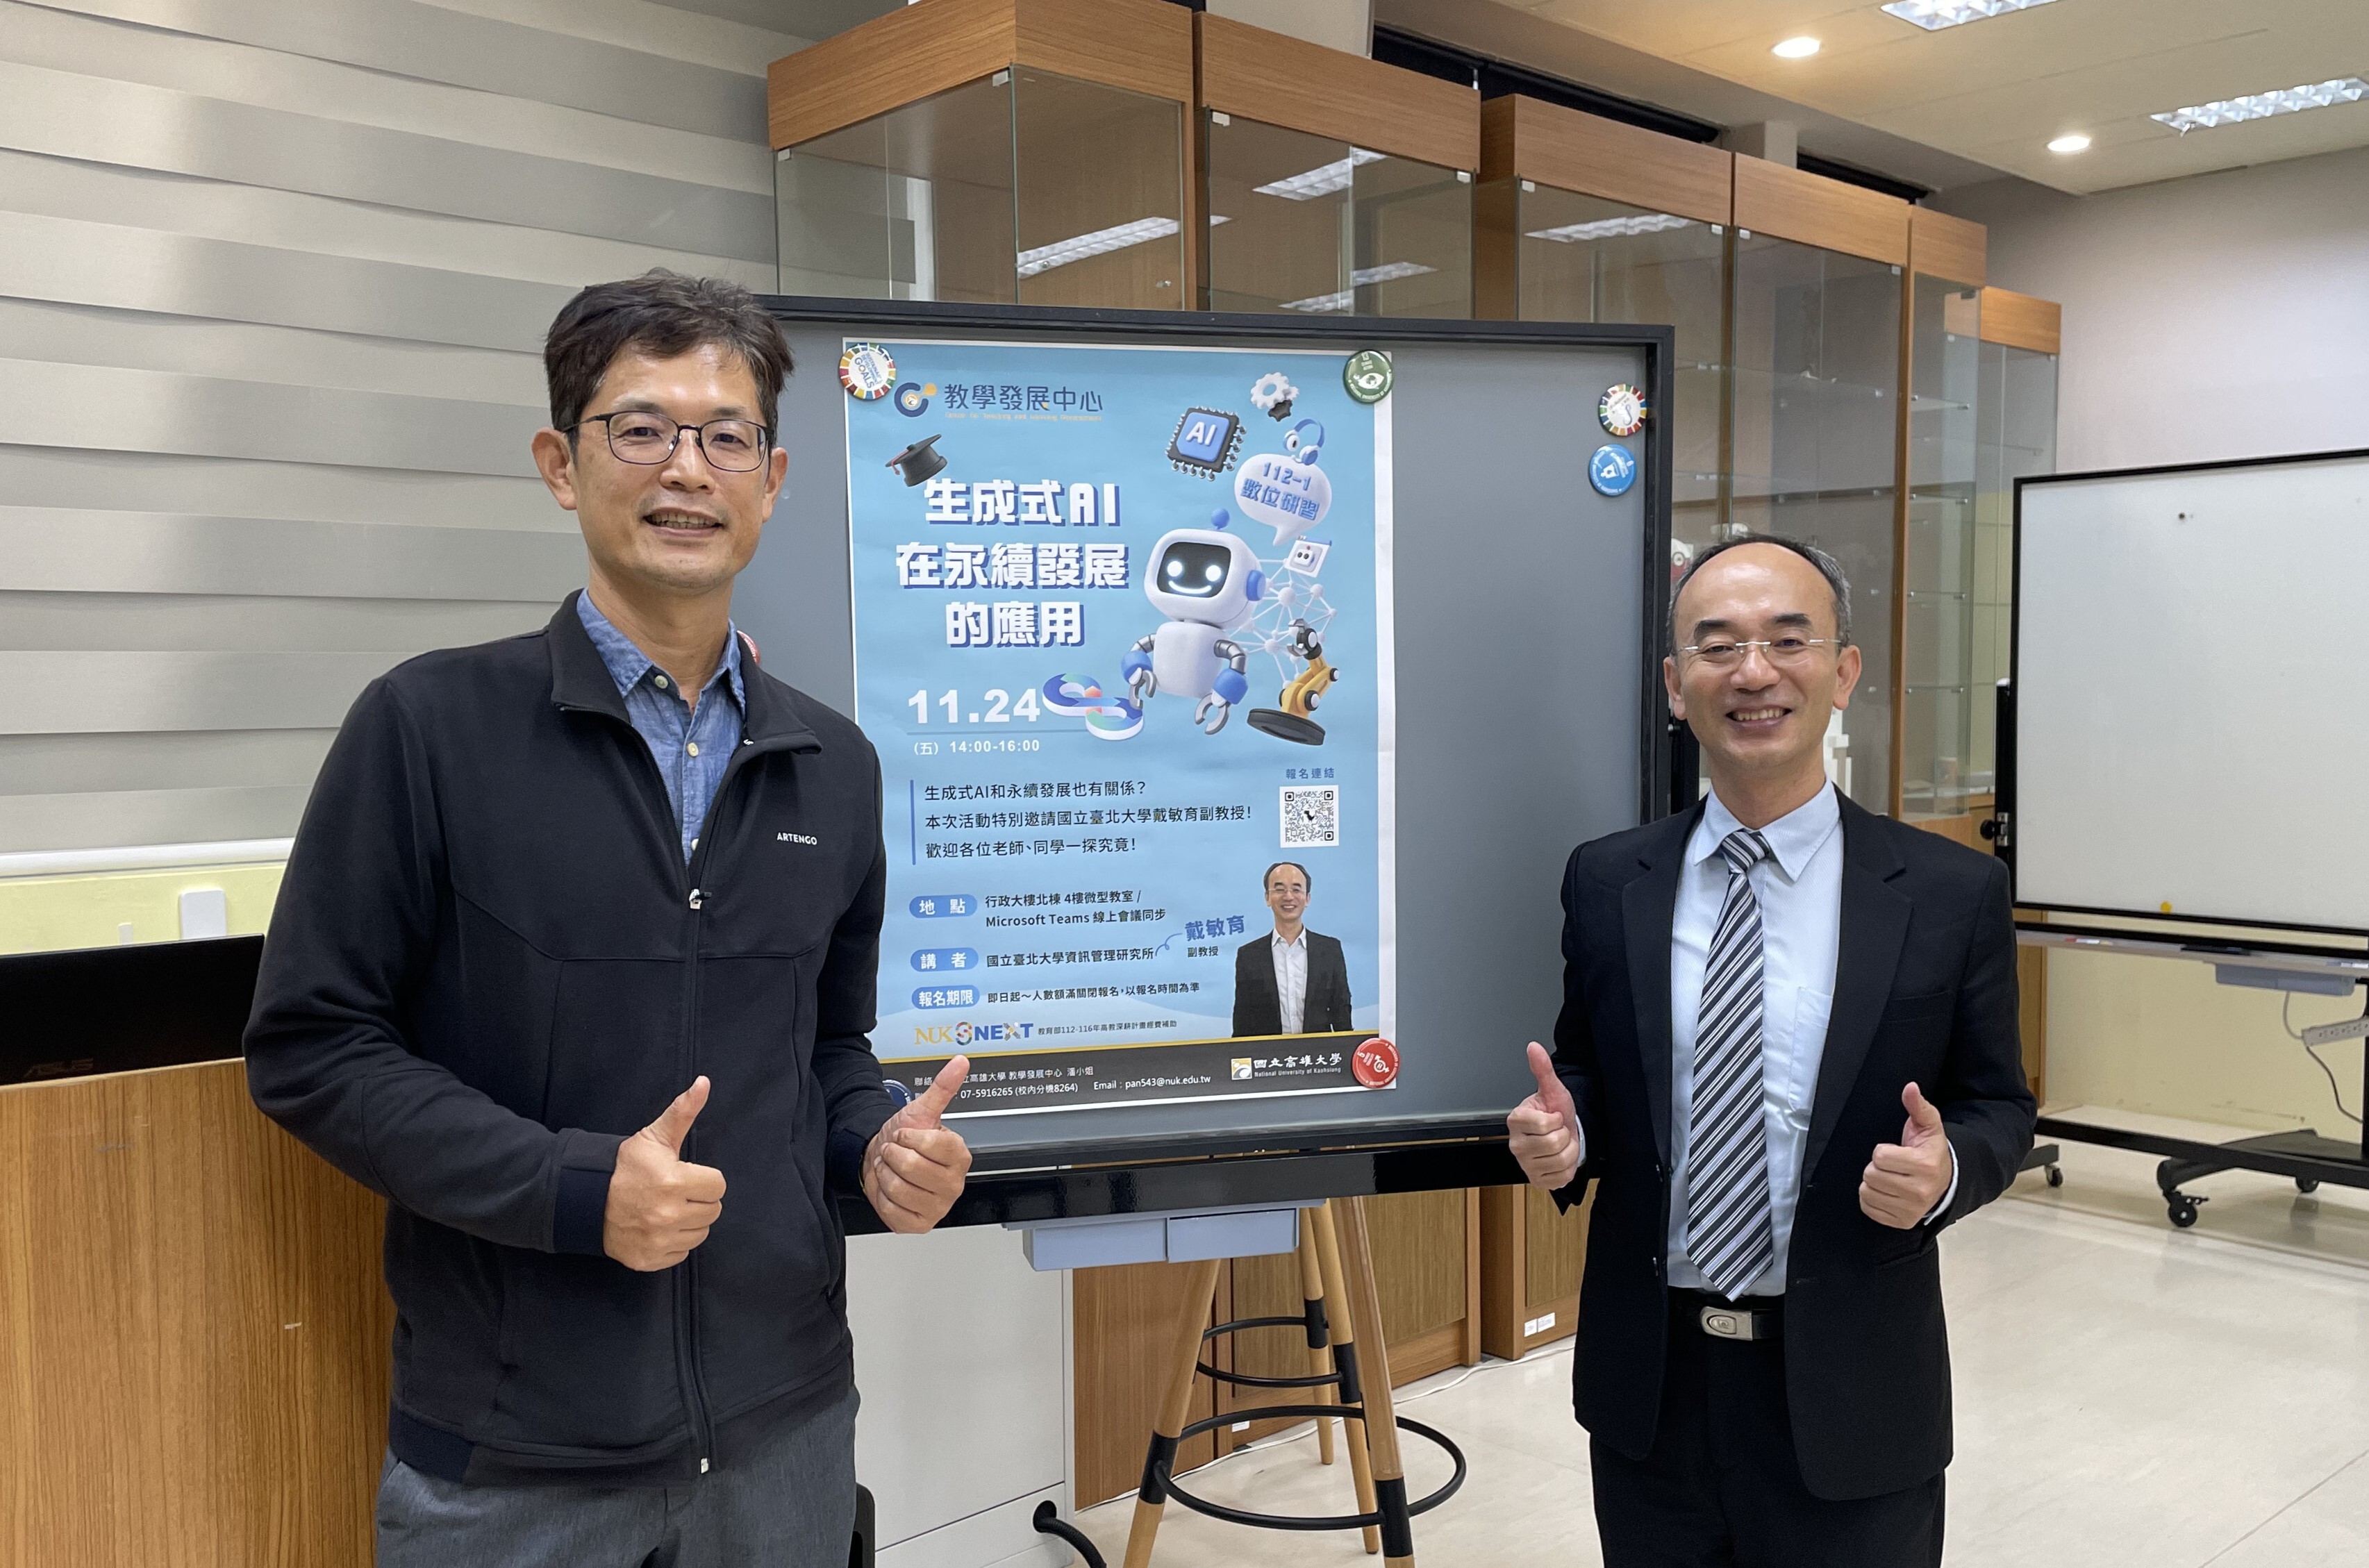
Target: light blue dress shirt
(1799, 889)
(691, 745)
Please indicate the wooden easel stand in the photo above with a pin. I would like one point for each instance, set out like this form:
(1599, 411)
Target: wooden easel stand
(1343, 1276)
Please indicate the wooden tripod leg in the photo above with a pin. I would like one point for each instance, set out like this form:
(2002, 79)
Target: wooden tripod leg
(1320, 1360)
(1381, 1422)
(1151, 1501)
(1342, 1322)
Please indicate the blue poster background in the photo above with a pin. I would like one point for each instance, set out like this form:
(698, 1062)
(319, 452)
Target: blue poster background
(1050, 886)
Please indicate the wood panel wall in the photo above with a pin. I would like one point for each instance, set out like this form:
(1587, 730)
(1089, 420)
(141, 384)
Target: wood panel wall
(192, 1328)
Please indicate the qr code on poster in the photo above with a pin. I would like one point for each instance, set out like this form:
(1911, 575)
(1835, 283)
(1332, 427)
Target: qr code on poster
(1311, 817)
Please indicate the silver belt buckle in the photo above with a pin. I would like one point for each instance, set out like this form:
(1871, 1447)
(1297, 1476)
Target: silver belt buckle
(1721, 1323)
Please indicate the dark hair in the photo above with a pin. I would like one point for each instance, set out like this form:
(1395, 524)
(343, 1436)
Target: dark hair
(1295, 866)
(661, 314)
(1828, 568)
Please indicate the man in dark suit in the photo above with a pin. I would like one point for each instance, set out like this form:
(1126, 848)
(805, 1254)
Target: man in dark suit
(1787, 1057)
(1294, 981)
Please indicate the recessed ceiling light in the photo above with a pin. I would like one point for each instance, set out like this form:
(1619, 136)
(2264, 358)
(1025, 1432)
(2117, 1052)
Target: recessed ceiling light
(2076, 143)
(2261, 106)
(1935, 15)
(1796, 49)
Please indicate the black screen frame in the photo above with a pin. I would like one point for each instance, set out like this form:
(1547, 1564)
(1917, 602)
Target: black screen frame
(1405, 1137)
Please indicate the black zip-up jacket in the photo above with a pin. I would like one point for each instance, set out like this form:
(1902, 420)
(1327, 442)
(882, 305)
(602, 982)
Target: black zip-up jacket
(489, 965)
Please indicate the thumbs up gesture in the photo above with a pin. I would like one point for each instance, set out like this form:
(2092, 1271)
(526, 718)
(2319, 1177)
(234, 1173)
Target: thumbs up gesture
(661, 1206)
(1543, 1131)
(914, 1168)
(1906, 1179)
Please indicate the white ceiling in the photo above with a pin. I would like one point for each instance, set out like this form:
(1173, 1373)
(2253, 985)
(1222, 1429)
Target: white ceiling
(1990, 94)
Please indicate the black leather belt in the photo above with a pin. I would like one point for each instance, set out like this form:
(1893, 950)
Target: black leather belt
(1754, 1318)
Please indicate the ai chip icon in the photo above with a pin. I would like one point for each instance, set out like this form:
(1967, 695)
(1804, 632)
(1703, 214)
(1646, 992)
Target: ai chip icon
(1205, 443)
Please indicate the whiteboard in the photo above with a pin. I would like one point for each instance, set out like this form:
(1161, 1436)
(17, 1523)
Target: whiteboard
(2190, 666)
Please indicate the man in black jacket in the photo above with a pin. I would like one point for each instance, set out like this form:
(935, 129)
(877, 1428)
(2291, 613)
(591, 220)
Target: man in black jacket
(1788, 1058)
(1292, 980)
(609, 876)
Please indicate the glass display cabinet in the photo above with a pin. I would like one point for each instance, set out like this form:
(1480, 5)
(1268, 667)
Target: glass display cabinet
(1937, 691)
(1814, 421)
(1337, 186)
(1029, 152)
(2015, 436)
(1578, 218)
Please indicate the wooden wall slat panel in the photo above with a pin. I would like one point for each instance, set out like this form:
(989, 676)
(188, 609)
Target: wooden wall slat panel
(1523, 138)
(195, 1332)
(1809, 209)
(1286, 81)
(2021, 321)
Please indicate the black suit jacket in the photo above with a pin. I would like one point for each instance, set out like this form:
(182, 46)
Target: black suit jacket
(1925, 990)
(1258, 1008)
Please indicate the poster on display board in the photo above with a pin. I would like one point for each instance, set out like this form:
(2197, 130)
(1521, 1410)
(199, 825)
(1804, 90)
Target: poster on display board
(1122, 639)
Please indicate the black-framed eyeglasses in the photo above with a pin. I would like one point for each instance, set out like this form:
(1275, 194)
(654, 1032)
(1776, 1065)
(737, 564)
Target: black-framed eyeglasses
(637, 435)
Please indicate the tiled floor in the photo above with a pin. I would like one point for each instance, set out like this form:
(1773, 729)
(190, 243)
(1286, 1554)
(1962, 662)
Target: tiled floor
(2127, 1394)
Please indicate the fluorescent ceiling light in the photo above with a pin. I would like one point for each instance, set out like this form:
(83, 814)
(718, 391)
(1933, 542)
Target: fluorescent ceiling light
(1322, 303)
(1323, 182)
(1612, 228)
(2076, 143)
(1796, 49)
(1061, 252)
(1935, 15)
(2261, 106)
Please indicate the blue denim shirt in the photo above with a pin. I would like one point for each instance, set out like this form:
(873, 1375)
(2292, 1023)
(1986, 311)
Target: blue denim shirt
(691, 745)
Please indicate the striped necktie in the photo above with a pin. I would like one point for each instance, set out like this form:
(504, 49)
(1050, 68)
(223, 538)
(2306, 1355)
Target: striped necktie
(1728, 1233)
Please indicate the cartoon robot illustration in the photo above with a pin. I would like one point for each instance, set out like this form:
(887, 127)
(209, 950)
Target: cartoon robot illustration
(1205, 581)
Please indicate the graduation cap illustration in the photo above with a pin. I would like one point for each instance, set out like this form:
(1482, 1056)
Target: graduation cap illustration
(918, 462)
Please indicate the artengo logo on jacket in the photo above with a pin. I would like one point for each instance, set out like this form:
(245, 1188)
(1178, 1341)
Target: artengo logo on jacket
(796, 839)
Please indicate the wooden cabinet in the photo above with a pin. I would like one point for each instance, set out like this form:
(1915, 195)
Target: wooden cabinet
(1030, 151)
(193, 1334)
(1334, 184)
(1531, 1258)
(1122, 1328)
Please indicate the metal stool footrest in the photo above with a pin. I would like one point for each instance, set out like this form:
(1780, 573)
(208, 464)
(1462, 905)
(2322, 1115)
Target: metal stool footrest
(1249, 1380)
(1309, 1521)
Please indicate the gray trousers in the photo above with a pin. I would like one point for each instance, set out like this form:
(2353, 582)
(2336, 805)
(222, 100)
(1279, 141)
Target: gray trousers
(789, 1503)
